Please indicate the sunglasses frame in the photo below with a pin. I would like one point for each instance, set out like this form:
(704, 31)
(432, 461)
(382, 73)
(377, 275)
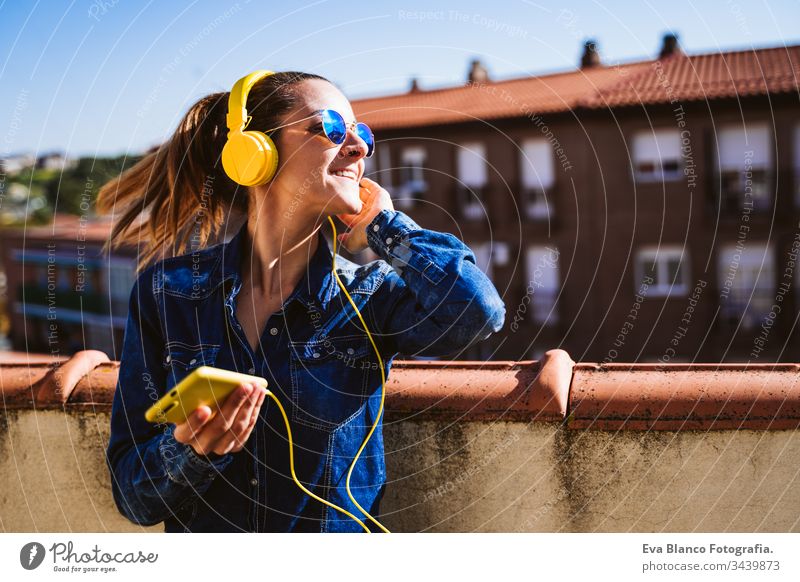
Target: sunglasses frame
(353, 124)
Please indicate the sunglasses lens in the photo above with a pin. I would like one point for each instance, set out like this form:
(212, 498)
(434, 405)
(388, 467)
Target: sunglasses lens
(365, 133)
(333, 124)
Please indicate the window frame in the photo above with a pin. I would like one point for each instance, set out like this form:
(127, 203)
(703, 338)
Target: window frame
(732, 180)
(535, 199)
(765, 282)
(660, 255)
(472, 195)
(412, 174)
(659, 174)
(550, 303)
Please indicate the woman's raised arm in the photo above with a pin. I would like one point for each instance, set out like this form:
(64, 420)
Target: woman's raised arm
(435, 300)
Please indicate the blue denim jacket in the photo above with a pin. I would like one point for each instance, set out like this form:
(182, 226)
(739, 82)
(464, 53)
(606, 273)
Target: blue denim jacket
(424, 296)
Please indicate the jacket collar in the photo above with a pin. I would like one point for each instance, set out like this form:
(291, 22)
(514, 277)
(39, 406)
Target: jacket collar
(316, 287)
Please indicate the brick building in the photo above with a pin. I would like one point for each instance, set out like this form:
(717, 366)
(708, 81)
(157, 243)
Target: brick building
(645, 211)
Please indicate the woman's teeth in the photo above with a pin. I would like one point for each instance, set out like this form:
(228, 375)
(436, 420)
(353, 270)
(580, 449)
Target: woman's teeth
(345, 174)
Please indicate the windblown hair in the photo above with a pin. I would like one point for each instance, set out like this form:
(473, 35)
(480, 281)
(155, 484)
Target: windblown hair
(179, 193)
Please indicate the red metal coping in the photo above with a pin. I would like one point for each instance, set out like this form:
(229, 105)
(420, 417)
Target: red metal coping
(554, 389)
(685, 396)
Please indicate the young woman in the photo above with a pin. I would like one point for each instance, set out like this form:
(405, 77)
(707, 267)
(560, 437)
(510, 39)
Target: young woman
(267, 303)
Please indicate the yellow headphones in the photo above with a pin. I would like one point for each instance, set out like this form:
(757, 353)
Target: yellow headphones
(250, 158)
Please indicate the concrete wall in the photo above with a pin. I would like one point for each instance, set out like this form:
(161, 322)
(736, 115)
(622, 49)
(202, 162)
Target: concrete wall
(460, 476)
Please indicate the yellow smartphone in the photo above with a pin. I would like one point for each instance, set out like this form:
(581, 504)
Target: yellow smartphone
(206, 385)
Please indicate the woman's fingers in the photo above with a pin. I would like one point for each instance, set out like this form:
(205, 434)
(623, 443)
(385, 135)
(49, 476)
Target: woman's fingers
(375, 199)
(233, 440)
(253, 418)
(224, 419)
(377, 194)
(186, 432)
(366, 193)
(229, 429)
(258, 397)
(223, 422)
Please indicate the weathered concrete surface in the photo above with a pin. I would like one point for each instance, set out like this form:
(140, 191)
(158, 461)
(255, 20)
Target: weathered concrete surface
(460, 476)
(509, 477)
(53, 475)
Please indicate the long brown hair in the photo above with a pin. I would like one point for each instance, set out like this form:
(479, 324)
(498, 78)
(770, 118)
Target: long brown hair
(179, 194)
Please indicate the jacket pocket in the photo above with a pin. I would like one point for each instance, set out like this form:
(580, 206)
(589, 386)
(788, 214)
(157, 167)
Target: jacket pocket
(330, 379)
(180, 359)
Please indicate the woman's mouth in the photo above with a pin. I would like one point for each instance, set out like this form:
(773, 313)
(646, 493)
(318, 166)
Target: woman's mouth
(346, 174)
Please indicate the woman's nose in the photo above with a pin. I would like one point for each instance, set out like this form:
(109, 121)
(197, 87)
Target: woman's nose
(353, 145)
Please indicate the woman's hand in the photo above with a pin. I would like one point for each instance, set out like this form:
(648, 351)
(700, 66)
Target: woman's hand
(375, 199)
(228, 430)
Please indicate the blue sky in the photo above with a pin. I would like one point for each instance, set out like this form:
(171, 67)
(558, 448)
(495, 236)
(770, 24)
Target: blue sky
(97, 77)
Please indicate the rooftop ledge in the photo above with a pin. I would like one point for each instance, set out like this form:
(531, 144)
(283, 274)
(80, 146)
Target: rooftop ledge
(530, 446)
(554, 389)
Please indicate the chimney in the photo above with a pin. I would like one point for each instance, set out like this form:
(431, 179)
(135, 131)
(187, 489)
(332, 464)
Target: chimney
(477, 73)
(414, 86)
(670, 46)
(590, 57)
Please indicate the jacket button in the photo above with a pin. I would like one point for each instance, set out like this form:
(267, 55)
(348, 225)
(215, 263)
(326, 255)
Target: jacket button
(316, 354)
(251, 371)
(389, 241)
(254, 482)
(169, 359)
(193, 361)
(273, 331)
(376, 228)
(350, 351)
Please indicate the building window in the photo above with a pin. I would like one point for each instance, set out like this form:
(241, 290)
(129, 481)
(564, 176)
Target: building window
(746, 279)
(412, 177)
(543, 284)
(657, 155)
(745, 163)
(538, 177)
(472, 179)
(665, 270)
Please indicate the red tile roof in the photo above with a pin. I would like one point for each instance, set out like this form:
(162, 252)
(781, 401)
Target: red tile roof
(700, 77)
(697, 77)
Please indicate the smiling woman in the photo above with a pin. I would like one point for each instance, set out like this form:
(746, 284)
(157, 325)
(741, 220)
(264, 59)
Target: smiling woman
(288, 153)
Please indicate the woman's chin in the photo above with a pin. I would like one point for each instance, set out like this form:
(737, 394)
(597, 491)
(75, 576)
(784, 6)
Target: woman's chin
(349, 202)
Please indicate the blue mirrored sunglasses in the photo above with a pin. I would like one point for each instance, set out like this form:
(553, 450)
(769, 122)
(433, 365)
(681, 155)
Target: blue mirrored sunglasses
(335, 128)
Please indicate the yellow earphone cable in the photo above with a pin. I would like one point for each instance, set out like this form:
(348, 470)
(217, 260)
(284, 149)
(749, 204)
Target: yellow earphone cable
(372, 430)
(383, 386)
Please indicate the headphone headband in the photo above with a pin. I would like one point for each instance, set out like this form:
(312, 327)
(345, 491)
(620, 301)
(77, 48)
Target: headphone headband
(237, 102)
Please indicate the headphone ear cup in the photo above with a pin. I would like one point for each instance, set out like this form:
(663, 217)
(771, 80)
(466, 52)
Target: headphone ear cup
(250, 158)
(270, 157)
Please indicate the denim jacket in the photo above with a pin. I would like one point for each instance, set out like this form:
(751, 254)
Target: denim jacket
(424, 296)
